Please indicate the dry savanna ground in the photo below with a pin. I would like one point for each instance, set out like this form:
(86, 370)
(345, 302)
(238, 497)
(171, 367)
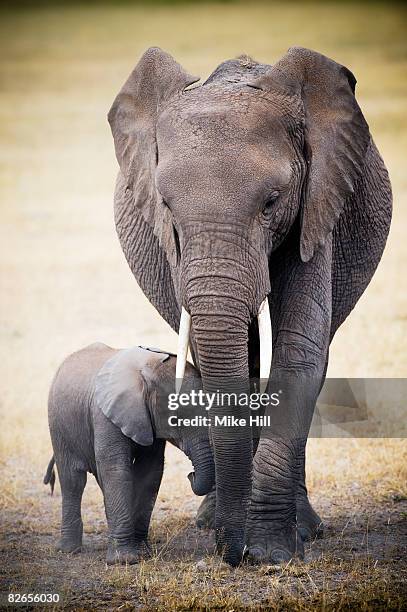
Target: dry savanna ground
(64, 284)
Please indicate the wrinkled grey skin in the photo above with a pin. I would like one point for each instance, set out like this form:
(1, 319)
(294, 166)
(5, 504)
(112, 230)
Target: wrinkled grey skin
(262, 181)
(104, 419)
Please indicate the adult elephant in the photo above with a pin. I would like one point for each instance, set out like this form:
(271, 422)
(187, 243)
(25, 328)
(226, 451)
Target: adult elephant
(263, 182)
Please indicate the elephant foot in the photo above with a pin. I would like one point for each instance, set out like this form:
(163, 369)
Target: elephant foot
(274, 547)
(67, 545)
(309, 524)
(205, 517)
(126, 555)
(230, 545)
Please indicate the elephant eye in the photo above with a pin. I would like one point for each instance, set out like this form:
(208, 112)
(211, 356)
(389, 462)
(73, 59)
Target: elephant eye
(268, 205)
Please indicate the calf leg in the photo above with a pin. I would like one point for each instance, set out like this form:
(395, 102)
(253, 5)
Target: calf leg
(148, 470)
(72, 482)
(116, 477)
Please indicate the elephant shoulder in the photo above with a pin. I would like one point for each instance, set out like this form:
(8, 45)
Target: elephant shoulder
(78, 369)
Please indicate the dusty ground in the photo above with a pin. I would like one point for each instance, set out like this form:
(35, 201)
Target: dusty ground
(64, 283)
(359, 563)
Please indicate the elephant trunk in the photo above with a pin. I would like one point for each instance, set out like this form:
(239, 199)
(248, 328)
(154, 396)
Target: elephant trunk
(221, 339)
(202, 479)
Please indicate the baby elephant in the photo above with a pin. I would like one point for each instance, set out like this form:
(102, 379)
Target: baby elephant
(106, 417)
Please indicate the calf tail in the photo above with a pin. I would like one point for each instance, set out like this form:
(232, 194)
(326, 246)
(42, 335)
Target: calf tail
(49, 477)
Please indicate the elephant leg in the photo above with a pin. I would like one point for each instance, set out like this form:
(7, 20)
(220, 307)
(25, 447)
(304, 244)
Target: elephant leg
(148, 470)
(73, 483)
(301, 316)
(272, 535)
(309, 524)
(119, 497)
(117, 480)
(271, 527)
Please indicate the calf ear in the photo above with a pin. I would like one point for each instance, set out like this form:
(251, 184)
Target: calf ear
(120, 392)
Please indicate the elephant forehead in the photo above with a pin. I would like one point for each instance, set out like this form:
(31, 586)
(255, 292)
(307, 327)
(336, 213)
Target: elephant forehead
(239, 139)
(206, 117)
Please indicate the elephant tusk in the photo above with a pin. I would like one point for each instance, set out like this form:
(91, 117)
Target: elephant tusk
(266, 343)
(183, 342)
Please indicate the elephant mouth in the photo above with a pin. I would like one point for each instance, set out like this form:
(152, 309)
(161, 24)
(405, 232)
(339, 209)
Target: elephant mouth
(265, 345)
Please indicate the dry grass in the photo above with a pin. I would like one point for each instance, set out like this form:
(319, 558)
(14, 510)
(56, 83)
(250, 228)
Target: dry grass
(64, 283)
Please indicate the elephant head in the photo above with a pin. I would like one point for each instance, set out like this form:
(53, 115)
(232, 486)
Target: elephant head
(213, 179)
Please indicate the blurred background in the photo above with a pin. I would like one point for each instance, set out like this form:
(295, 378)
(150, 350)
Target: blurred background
(64, 280)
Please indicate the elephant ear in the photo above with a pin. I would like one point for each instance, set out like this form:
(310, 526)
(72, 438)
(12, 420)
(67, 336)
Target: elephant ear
(336, 135)
(120, 392)
(143, 222)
